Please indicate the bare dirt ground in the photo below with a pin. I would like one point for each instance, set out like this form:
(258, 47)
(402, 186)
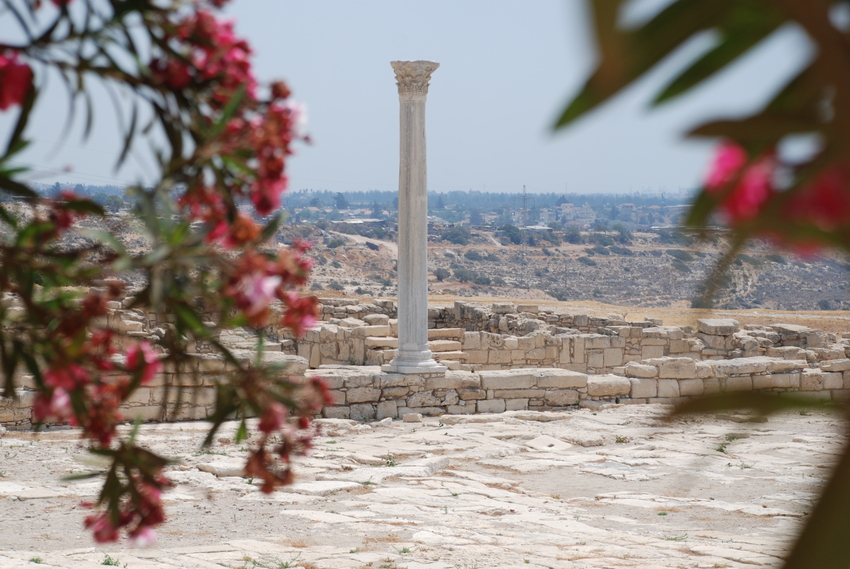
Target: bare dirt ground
(619, 487)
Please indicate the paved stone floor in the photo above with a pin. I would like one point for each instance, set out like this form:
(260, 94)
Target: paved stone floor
(619, 487)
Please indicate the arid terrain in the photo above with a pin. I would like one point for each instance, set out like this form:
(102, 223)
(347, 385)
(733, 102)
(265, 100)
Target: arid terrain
(646, 273)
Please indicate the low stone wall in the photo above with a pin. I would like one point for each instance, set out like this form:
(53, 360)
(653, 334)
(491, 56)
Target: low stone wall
(159, 400)
(504, 357)
(366, 393)
(595, 346)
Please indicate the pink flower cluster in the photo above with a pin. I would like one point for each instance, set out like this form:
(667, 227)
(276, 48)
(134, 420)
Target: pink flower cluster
(15, 80)
(66, 381)
(211, 57)
(295, 437)
(139, 514)
(745, 189)
(752, 188)
(258, 280)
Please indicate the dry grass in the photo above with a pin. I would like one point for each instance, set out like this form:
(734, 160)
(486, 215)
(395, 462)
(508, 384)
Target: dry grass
(389, 538)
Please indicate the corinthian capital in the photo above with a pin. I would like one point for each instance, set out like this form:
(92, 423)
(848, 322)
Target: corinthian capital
(412, 76)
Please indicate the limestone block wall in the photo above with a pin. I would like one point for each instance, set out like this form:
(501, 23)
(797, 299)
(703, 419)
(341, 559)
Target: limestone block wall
(372, 342)
(502, 357)
(672, 378)
(159, 400)
(505, 318)
(365, 393)
(349, 308)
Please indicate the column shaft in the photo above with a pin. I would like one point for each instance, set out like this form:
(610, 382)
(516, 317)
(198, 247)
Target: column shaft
(412, 231)
(413, 353)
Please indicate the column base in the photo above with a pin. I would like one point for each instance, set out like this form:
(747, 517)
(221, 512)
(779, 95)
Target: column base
(413, 363)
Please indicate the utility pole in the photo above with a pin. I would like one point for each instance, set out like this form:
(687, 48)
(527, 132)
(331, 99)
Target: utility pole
(523, 233)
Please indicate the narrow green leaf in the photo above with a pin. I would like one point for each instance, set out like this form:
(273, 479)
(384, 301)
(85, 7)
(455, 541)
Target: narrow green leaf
(86, 476)
(157, 255)
(225, 352)
(89, 122)
(106, 238)
(242, 431)
(227, 113)
(104, 452)
(823, 542)
(700, 210)
(13, 171)
(627, 54)
(128, 138)
(16, 188)
(7, 217)
(746, 26)
(85, 206)
(765, 128)
(760, 403)
(134, 432)
(16, 143)
(8, 380)
(712, 282)
(226, 404)
(188, 318)
(33, 368)
(271, 228)
(238, 165)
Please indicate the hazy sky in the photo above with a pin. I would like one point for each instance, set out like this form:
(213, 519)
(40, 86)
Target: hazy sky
(506, 69)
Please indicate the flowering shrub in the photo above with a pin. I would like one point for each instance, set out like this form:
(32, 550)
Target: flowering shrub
(221, 175)
(752, 188)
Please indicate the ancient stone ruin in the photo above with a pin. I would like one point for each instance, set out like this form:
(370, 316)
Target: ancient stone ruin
(501, 357)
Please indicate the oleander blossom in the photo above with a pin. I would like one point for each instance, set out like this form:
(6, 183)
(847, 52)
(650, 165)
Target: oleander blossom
(56, 405)
(825, 203)
(68, 376)
(139, 512)
(15, 80)
(143, 359)
(231, 141)
(255, 292)
(207, 55)
(754, 185)
(273, 418)
(145, 537)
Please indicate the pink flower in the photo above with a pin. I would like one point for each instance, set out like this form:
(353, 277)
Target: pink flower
(754, 188)
(15, 80)
(144, 537)
(58, 406)
(102, 529)
(273, 418)
(172, 73)
(243, 230)
(258, 290)
(265, 194)
(68, 377)
(728, 160)
(301, 312)
(825, 202)
(142, 357)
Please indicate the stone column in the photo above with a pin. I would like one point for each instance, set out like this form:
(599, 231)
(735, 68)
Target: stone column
(413, 353)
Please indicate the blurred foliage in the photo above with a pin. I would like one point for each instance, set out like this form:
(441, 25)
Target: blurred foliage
(755, 190)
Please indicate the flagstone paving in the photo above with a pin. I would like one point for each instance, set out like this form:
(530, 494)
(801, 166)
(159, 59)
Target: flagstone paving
(619, 487)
